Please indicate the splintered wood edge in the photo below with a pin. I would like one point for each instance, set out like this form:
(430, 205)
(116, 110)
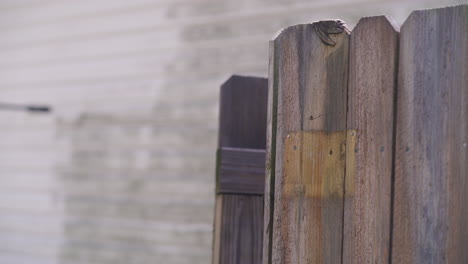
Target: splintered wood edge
(323, 29)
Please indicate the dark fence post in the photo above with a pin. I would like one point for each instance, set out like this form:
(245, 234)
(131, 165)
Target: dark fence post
(240, 171)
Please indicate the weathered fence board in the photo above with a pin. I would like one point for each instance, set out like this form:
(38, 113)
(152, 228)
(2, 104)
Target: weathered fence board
(431, 177)
(308, 84)
(371, 96)
(240, 171)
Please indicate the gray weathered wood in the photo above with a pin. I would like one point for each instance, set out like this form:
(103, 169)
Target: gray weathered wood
(371, 96)
(431, 174)
(239, 202)
(241, 229)
(242, 115)
(241, 171)
(308, 90)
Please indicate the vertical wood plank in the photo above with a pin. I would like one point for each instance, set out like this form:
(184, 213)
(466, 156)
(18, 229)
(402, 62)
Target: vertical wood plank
(431, 175)
(308, 84)
(241, 229)
(270, 154)
(242, 126)
(243, 111)
(371, 96)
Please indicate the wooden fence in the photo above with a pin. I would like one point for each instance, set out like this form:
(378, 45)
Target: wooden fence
(366, 150)
(368, 140)
(240, 173)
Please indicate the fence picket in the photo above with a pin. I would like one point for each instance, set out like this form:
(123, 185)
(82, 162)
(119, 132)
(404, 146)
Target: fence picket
(308, 88)
(371, 96)
(431, 174)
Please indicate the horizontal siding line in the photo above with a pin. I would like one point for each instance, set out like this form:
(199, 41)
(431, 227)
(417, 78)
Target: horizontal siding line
(64, 213)
(119, 195)
(136, 77)
(240, 43)
(101, 248)
(106, 197)
(101, 14)
(110, 235)
(94, 256)
(175, 241)
(164, 226)
(94, 118)
(135, 67)
(105, 179)
(108, 169)
(265, 15)
(115, 174)
(151, 152)
(106, 233)
(41, 3)
(19, 5)
(100, 120)
(88, 148)
(232, 15)
(161, 119)
(107, 230)
(118, 237)
(63, 138)
(13, 170)
(148, 95)
(148, 175)
(94, 154)
(197, 196)
(109, 36)
(50, 258)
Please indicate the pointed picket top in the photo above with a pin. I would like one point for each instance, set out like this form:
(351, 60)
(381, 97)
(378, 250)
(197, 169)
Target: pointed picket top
(373, 65)
(416, 14)
(383, 19)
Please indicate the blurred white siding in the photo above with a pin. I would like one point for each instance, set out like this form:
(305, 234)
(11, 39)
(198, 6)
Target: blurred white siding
(122, 171)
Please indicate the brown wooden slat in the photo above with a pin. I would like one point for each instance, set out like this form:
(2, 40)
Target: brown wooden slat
(308, 88)
(241, 171)
(431, 174)
(241, 230)
(371, 94)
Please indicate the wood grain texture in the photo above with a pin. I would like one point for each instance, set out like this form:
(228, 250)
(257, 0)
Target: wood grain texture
(431, 175)
(270, 154)
(371, 96)
(240, 169)
(308, 90)
(242, 112)
(241, 229)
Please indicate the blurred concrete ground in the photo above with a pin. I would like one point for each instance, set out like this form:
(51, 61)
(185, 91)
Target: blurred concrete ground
(122, 171)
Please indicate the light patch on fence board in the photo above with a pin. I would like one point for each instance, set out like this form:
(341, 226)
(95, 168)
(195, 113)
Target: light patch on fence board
(314, 163)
